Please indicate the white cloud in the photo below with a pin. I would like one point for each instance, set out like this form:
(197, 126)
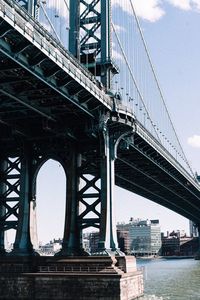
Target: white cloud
(117, 55)
(150, 10)
(46, 26)
(119, 28)
(182, 4)
(194, 141)
(60, 8)
(196, 4)
(186, 4)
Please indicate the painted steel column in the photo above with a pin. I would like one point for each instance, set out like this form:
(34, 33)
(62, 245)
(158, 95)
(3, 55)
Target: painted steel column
(106, 41)
(114, 242)
(32, 7)
(2, 207)
(71, 241)
(74, 31)
(108, 238)
(23, 245)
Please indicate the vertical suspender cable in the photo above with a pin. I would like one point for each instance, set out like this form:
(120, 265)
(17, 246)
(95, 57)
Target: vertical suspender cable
(50, 23)
(132, 76)
(158, 86)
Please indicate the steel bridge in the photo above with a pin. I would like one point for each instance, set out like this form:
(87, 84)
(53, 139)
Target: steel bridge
(62, 104)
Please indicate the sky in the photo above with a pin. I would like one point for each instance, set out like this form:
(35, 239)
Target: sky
(171, 31)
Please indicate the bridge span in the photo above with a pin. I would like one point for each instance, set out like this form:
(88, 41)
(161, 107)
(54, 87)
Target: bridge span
(95, 117)
(53, 107)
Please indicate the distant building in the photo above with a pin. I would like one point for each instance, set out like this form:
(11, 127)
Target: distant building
(170, 245)
(189, 246)
(137, 237)
(175, 244)
(145, 237)
(123, 226)
(123, 240)
(193, 229)
(93, 241)
(123, 237)
(50, 248)
(86, 244)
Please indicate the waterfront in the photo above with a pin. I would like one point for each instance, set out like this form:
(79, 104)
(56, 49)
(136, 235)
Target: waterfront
(171, 279)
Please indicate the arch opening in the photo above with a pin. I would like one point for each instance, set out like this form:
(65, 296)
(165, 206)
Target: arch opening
(48, 209)
(90, 239)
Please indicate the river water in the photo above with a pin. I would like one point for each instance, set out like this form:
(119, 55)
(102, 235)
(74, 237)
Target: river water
(174, 279)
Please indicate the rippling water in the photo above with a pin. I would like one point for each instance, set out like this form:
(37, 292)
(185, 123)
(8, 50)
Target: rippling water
(174, 279)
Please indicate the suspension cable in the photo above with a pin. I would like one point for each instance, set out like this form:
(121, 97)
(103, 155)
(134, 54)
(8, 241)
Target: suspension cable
(50, 23)
(133, 77)
(159, 88)
(66, 5)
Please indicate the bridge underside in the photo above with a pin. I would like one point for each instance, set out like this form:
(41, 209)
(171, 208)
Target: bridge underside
(31, 110)
(38, 99)
(142, 170)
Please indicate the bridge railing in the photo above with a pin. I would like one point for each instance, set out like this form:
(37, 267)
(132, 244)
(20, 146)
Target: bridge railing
(76, 268)
(166, 154)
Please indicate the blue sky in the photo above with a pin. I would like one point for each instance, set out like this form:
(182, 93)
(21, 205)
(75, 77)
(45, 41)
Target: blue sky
(171, 30)
(174, 45)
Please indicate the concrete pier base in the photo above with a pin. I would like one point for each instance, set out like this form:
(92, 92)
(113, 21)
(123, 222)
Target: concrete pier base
(84, 278)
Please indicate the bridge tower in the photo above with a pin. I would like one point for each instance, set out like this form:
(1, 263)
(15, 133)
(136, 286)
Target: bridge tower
(88, 161)
(90, 37)
(93, 168)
